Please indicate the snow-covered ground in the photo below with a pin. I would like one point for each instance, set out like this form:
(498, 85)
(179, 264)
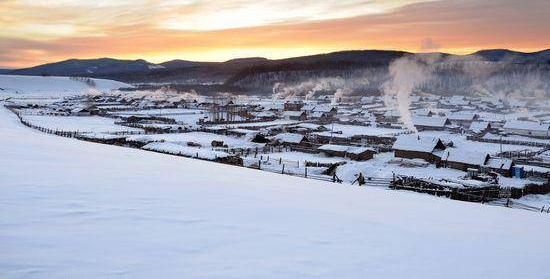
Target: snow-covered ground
(204, 139)
(13, 85)
(95, 124)
(74, 209)
(384, 165)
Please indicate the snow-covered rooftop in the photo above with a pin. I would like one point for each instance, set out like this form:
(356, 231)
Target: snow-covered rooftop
(289, 138)
(416, 143)
(477, 158)
(478, 126)
(428, 121)
(526, 125)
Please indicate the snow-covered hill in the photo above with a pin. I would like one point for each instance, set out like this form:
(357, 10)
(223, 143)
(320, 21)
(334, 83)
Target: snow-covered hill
(73, 209)
(11, 85)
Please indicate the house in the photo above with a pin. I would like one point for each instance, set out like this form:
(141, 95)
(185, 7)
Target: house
(480, 127)
(293, 105)
(464, 159)
(295, 115)
(426, 123)
(326, 111)
(84, 111)
(313, 127)
(361, 153)
(273, 106)
(463, 119)
(355, 153)
(265, 115)
(305, 128)
(334, 150)
(502, 166)
(390, 116)
(423, 112)
(527, 128)
(290, 139)
(416, 147)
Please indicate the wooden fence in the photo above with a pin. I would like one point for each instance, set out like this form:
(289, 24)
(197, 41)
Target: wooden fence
(494, 195)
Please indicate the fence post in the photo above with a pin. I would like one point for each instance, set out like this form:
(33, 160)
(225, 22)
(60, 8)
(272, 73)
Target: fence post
(260, 164)
(283, 169)
(305, 173)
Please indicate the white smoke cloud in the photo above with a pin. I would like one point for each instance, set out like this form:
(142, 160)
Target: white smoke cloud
(406, 74)
(311, 88)
(163, 94)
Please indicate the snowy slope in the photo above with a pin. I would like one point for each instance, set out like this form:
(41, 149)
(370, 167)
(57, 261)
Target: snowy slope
(52, 86)
(73, 209)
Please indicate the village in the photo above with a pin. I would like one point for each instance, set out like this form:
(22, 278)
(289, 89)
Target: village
(482, 149)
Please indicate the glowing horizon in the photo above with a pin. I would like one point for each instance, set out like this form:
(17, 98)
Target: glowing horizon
(36, 32)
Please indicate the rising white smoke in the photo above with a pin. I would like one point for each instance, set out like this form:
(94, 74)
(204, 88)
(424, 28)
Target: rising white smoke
(307, 89)
(311, 88)
(406, 74)
(163, 94)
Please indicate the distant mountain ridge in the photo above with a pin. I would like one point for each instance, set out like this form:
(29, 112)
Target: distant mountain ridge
(89, 67)
(257, 73)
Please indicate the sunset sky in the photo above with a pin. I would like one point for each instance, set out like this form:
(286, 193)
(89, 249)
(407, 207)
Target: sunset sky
(39, 31)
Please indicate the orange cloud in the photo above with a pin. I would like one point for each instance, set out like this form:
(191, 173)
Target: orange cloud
(452, 26)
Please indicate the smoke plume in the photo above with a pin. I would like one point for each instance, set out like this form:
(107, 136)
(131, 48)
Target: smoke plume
(406, 74)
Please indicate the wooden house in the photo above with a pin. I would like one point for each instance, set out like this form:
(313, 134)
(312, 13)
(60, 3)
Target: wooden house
(295, 115)
(355, 153)
(463, 119)
(502, 166)
(480, 127)
(464, 159)
(426, 123)
(290, 139)
(361, 153)
(527, 128)
(416, 147)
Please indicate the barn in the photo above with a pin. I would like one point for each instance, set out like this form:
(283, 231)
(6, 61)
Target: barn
(416, 147)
